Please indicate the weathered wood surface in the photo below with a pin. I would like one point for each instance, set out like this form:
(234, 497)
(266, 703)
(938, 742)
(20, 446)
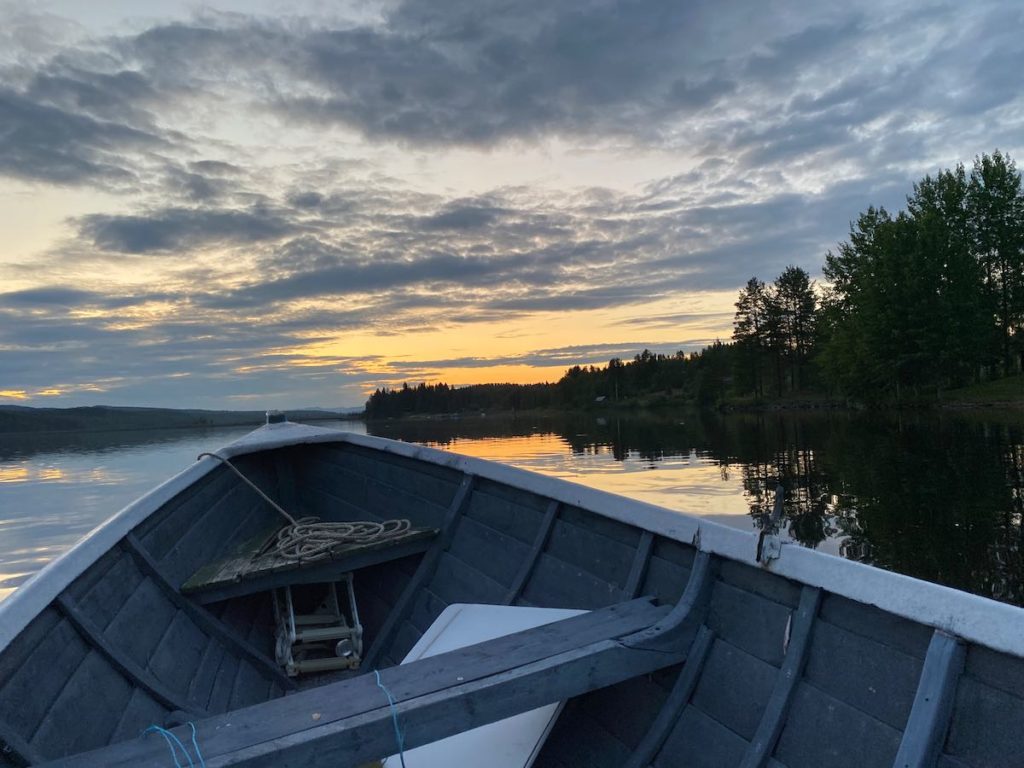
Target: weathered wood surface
(638, 570)
(530, 560)
(248, 571)
(122, 662)
(202, 617)
(426, 568)
(929, 717)
(774, 717)
(675, 703)
(350, 722)
(15, 749)
(681, 624)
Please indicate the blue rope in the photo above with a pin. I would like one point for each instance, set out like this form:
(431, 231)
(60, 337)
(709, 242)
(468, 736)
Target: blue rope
(199, 755)
(399, 736)
(174, 743)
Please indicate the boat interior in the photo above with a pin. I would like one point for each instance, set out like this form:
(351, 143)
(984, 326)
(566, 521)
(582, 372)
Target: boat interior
(679, 657)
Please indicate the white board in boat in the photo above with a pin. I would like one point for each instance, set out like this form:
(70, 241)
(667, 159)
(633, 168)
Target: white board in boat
(510, 743)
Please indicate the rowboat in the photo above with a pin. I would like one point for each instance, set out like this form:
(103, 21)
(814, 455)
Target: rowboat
(470, 613)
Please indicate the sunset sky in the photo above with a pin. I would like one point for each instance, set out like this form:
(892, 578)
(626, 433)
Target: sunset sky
(287, 204)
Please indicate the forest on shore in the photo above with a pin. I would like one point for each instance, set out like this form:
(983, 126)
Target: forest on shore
(915, 304)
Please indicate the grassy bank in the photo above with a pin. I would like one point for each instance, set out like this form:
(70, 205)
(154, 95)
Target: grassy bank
(1000, 393)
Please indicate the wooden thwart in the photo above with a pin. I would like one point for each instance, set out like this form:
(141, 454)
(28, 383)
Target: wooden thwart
(248, 571)
(350, 722)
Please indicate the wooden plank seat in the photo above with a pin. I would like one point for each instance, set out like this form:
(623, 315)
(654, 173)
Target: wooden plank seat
(247, 571)
(350, 722)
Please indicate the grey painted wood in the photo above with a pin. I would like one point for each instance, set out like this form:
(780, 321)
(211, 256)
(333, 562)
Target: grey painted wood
(509, 510)
(140, 712)
(388, 486)
(582, 741)
(246, 574)
(638, 570)
(734, 688)
(286, 491)
(15, 749)
(200, 616)
(869, 621)
(455, 581)
(121, 661)
(165, 526)
(223, 683)
(555, 583)
(886, 678)
(582, 547)
(459, 502)
(792, 668)
(706, 743)
(106, 597)
(435, 484)
(680, 625)
(933, 705)
(203, 540)
(822, 730)
(986, 725)
(87, 710)
(435, 697)
(625, 711)
(491, 552)
(426, 608)
(677, 699)
(760, 582)
(41, 675)
(530, 560)
(750, 621)
(178, 654)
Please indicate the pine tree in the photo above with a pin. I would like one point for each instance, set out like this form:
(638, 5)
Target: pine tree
(996, 209)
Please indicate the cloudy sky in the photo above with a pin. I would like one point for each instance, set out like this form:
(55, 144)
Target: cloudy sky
(283, 204)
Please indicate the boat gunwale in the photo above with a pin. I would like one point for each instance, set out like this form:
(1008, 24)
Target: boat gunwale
(978, 619)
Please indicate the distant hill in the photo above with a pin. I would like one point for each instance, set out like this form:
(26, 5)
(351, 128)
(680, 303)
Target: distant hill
(17, 418)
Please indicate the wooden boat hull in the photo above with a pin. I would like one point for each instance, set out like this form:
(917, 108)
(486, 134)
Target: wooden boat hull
(807, 660)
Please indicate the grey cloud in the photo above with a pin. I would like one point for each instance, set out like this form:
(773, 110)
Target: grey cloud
(308, 199)
(49, 296)
(693, 95)
(462, 217)
(215, 168)
(179, 229)
(786, 56)
(116, 96)
(41, 142)
(451, 73)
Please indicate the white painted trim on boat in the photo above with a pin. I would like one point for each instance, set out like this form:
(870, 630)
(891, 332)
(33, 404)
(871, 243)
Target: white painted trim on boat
(997, 625)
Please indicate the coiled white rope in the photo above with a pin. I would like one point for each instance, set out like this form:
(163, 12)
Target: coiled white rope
(308, 539)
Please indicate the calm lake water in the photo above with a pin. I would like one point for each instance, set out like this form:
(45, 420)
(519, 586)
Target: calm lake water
(937, 497)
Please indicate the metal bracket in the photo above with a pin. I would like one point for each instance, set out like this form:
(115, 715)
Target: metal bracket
(323, 640)
(769, 543)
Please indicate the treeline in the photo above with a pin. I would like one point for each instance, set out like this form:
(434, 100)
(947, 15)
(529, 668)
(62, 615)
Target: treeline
(442, 398)
(918, 302)
(699, 376)
(915, 303)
